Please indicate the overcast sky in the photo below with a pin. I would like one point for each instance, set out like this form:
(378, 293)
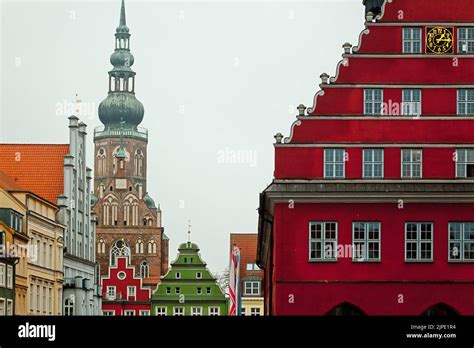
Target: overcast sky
(217, 79)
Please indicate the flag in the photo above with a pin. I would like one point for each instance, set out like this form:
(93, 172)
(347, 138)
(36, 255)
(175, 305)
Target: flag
(234, 279)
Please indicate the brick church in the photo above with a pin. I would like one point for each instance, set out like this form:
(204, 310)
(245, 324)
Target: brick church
(129, 221)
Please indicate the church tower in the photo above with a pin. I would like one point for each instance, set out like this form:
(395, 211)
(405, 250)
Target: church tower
(129, 222)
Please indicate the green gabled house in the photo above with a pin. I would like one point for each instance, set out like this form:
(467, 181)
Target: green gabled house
(188, 289)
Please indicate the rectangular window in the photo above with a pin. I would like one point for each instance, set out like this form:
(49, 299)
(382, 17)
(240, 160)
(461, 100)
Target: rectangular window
(160, 311)
(177, 290)
(373, 100)
(178, 311)
(252, 288)
(111, 292)
(51, 253)
(208, 291)
(2, 275)
(461, 241)
(9, 307)
(465, 163)
(323, 241)
(2, 240)
(108, 313)
(199, 291)
(373, 163)
(129, 313)
(466, 40)
(38, 294)
(50, 300)
(2, 306)
(242, 311)
(10, 277)
(196, 311)
(32, 296)
(198, 275)
(334, 163)
(411, 102)
(418, 241)
(255, 312)
(131, 291)
(466, 102)
(168, 291)
(144, 313)
(252, 267)
(366, 241)
(214, 311)
(411, 40)
(411, 163)
(44, 299)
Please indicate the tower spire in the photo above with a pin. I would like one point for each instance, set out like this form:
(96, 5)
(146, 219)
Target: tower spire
(121, 103)
(189, 231)
(123, 22)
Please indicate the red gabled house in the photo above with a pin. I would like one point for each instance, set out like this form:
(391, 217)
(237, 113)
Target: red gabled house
(371, 210)
(123, 293)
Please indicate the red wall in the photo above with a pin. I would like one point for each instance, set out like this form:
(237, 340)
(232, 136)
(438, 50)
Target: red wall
(294, 273)
(142, 300)
(308, 163)
(350, 101)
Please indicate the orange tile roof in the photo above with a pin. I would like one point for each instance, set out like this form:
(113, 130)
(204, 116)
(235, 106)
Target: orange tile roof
(35, 167)
(7, 183)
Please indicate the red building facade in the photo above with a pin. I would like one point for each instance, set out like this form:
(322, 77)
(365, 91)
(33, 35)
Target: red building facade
(371, 210)
(123, 293)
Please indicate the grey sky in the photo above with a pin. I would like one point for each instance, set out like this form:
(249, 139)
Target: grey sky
(215, 78)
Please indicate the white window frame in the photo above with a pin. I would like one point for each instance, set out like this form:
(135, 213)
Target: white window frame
(253, 284)
(462, 242)
(199, 291)
(9, 310)
(111, 292)
(214, 311)
(334, 163)
(411, 163)
(366, 241)
(168, 291)
(412, 40)
(252, 267)
(411, 106)
(144, 313)
(9, 276)
(467, 39)
(198, 275)
(178, 275)
(3, 306)
(464, 163)
(3, 274)
(371, 100)
(419, 241)
(323, 241)
(178, 311)
(108, 313)
(196, 311)
(131, 291)
(467, 101)
(161, 311)
(129, 313)
(372, 163)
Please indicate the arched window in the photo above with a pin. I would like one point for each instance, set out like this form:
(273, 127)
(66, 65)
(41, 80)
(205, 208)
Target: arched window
(106, 213)
(152, 247)
(138, 163)
(101, 246)
(110, 210)
(144, 269)
(130, 210)
(119, 248)
(101, 162)
(69, 306)
(139, 247)
(127, 158)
